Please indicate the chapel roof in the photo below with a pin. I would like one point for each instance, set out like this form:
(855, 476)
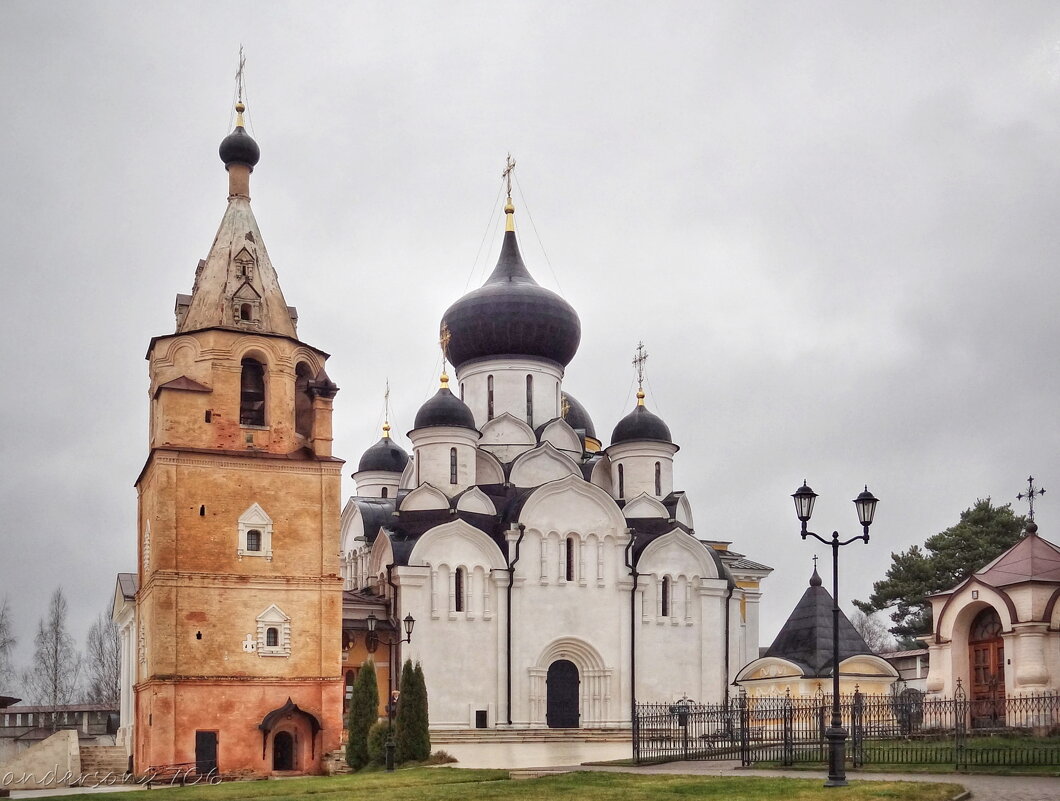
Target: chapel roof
(806, 636)
(1031, 559)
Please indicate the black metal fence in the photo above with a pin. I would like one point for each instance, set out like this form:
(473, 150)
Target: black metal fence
(905, 727)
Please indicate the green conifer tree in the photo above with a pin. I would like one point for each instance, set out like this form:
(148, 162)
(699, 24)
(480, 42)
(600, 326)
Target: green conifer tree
(364, 711)
(404, 724)
(421, 736)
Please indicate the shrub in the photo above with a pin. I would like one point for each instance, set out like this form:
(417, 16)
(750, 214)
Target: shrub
(376, 742)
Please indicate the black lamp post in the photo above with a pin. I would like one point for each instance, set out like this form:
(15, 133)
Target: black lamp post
(409, 622)
(835, 734)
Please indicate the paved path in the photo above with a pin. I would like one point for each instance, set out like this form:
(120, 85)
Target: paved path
(986, 788)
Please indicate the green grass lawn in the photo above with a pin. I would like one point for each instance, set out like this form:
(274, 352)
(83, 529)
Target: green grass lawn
(441, 784)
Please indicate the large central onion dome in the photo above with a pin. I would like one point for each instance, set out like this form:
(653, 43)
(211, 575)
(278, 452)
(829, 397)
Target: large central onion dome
(511, 315)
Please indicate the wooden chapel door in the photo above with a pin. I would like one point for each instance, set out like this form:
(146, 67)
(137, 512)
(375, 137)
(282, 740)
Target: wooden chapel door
(986, 660)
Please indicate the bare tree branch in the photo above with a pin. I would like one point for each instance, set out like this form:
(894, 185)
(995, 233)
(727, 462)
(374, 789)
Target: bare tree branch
(52, 680)
(103, 661)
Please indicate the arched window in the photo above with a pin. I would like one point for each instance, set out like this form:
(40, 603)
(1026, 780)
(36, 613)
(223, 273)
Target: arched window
(461, 390)
(621, 482)
(303, 402)
(489, 397)
(658, 479)
(458, 591)
(384, 492)
(245, 312)
(253, 540)
(530, 400)
(272, 637)
(570, 559)
(665, 590)
(252, 394)
(452, 465)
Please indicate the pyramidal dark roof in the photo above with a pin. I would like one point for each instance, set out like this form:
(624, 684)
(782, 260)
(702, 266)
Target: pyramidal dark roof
(1030, 559)
(806, 637)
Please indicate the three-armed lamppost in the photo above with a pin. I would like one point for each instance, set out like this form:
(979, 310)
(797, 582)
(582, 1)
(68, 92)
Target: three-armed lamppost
(835, 734)
(409, 622)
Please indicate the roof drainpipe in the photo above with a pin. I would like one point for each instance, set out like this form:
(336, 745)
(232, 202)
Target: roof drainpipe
(632, 632)
(395, 652)
(511, 583)
(728, 598)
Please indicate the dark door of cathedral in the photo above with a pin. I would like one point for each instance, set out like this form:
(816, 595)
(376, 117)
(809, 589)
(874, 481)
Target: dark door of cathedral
(205, 752)
(283, 751)
(562, 686)
(986, 658)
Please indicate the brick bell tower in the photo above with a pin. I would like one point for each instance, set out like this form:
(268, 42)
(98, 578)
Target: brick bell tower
(239, 607)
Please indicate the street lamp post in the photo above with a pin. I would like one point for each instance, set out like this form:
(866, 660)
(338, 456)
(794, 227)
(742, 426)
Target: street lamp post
(409, 622)
(836, 735)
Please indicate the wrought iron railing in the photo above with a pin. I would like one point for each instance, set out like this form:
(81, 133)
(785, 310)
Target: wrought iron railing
(903, 727)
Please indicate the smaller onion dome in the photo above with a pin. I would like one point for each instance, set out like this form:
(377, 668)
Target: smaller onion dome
(385, 455)
(239, 147)
(815, 579)
(445, 409)
(576, 415)
(641, 424)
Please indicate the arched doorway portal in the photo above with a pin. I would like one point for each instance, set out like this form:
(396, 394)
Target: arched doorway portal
(986, 660)
(562, 695)
(283, 751)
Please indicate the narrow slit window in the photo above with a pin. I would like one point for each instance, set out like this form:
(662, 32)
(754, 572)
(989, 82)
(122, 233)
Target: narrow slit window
(658, 478)
(621, 482)
(665, 611)
(384, 492)
(489, 397)
(530, 400)
(252, 394)
(570, 559)
(452, 465)
(458, 589)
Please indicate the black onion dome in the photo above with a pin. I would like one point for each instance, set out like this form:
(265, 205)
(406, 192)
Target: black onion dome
(576, 415)
(239, 147)
(512, 315)
(445, 409)
(385, 455)
(641, 424)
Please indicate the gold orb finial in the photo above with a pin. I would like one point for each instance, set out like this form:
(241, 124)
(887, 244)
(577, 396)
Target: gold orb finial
(240, 108)
(640, 397)
(445, 380)
(386, 429)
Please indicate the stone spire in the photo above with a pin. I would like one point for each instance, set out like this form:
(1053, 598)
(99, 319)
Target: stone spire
(235, 285)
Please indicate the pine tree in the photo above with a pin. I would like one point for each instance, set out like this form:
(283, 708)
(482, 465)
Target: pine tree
(364, 711)
(983, 533)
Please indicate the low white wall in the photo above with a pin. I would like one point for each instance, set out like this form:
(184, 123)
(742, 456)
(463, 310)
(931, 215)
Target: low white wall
(55, 762)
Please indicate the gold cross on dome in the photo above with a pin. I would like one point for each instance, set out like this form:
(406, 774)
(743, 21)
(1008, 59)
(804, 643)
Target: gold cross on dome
(509, 167)
(240, 80)
(443, 340)
(1029, 495)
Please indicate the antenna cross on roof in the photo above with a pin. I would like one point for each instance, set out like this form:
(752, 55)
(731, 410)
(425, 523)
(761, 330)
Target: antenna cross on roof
(1029, 495)
(638, 361)
(509, 166)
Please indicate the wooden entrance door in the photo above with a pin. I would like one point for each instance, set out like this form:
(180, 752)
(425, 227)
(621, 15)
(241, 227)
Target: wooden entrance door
(562, 685)
(205, 752)
(986, 660)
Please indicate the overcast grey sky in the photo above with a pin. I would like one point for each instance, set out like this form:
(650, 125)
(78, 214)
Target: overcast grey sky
(834, 225)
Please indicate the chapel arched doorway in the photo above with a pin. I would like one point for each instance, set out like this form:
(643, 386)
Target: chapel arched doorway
(986, 661)
(562, 695)
(283, 751)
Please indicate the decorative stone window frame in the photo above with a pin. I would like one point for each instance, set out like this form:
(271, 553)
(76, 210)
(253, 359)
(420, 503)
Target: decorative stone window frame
(255, 519)
(274, 618)
(146, 548)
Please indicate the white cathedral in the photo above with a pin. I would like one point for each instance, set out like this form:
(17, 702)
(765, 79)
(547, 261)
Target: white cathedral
(552, 582)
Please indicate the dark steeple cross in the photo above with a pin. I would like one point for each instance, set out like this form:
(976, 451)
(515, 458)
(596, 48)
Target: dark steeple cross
(509, 166)
(1029, 495)
(815, 561)
(240, 81)
(638, 361)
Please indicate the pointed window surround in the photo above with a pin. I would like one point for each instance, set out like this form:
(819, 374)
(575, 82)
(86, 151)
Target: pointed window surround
(274, 633)
(254, 521)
